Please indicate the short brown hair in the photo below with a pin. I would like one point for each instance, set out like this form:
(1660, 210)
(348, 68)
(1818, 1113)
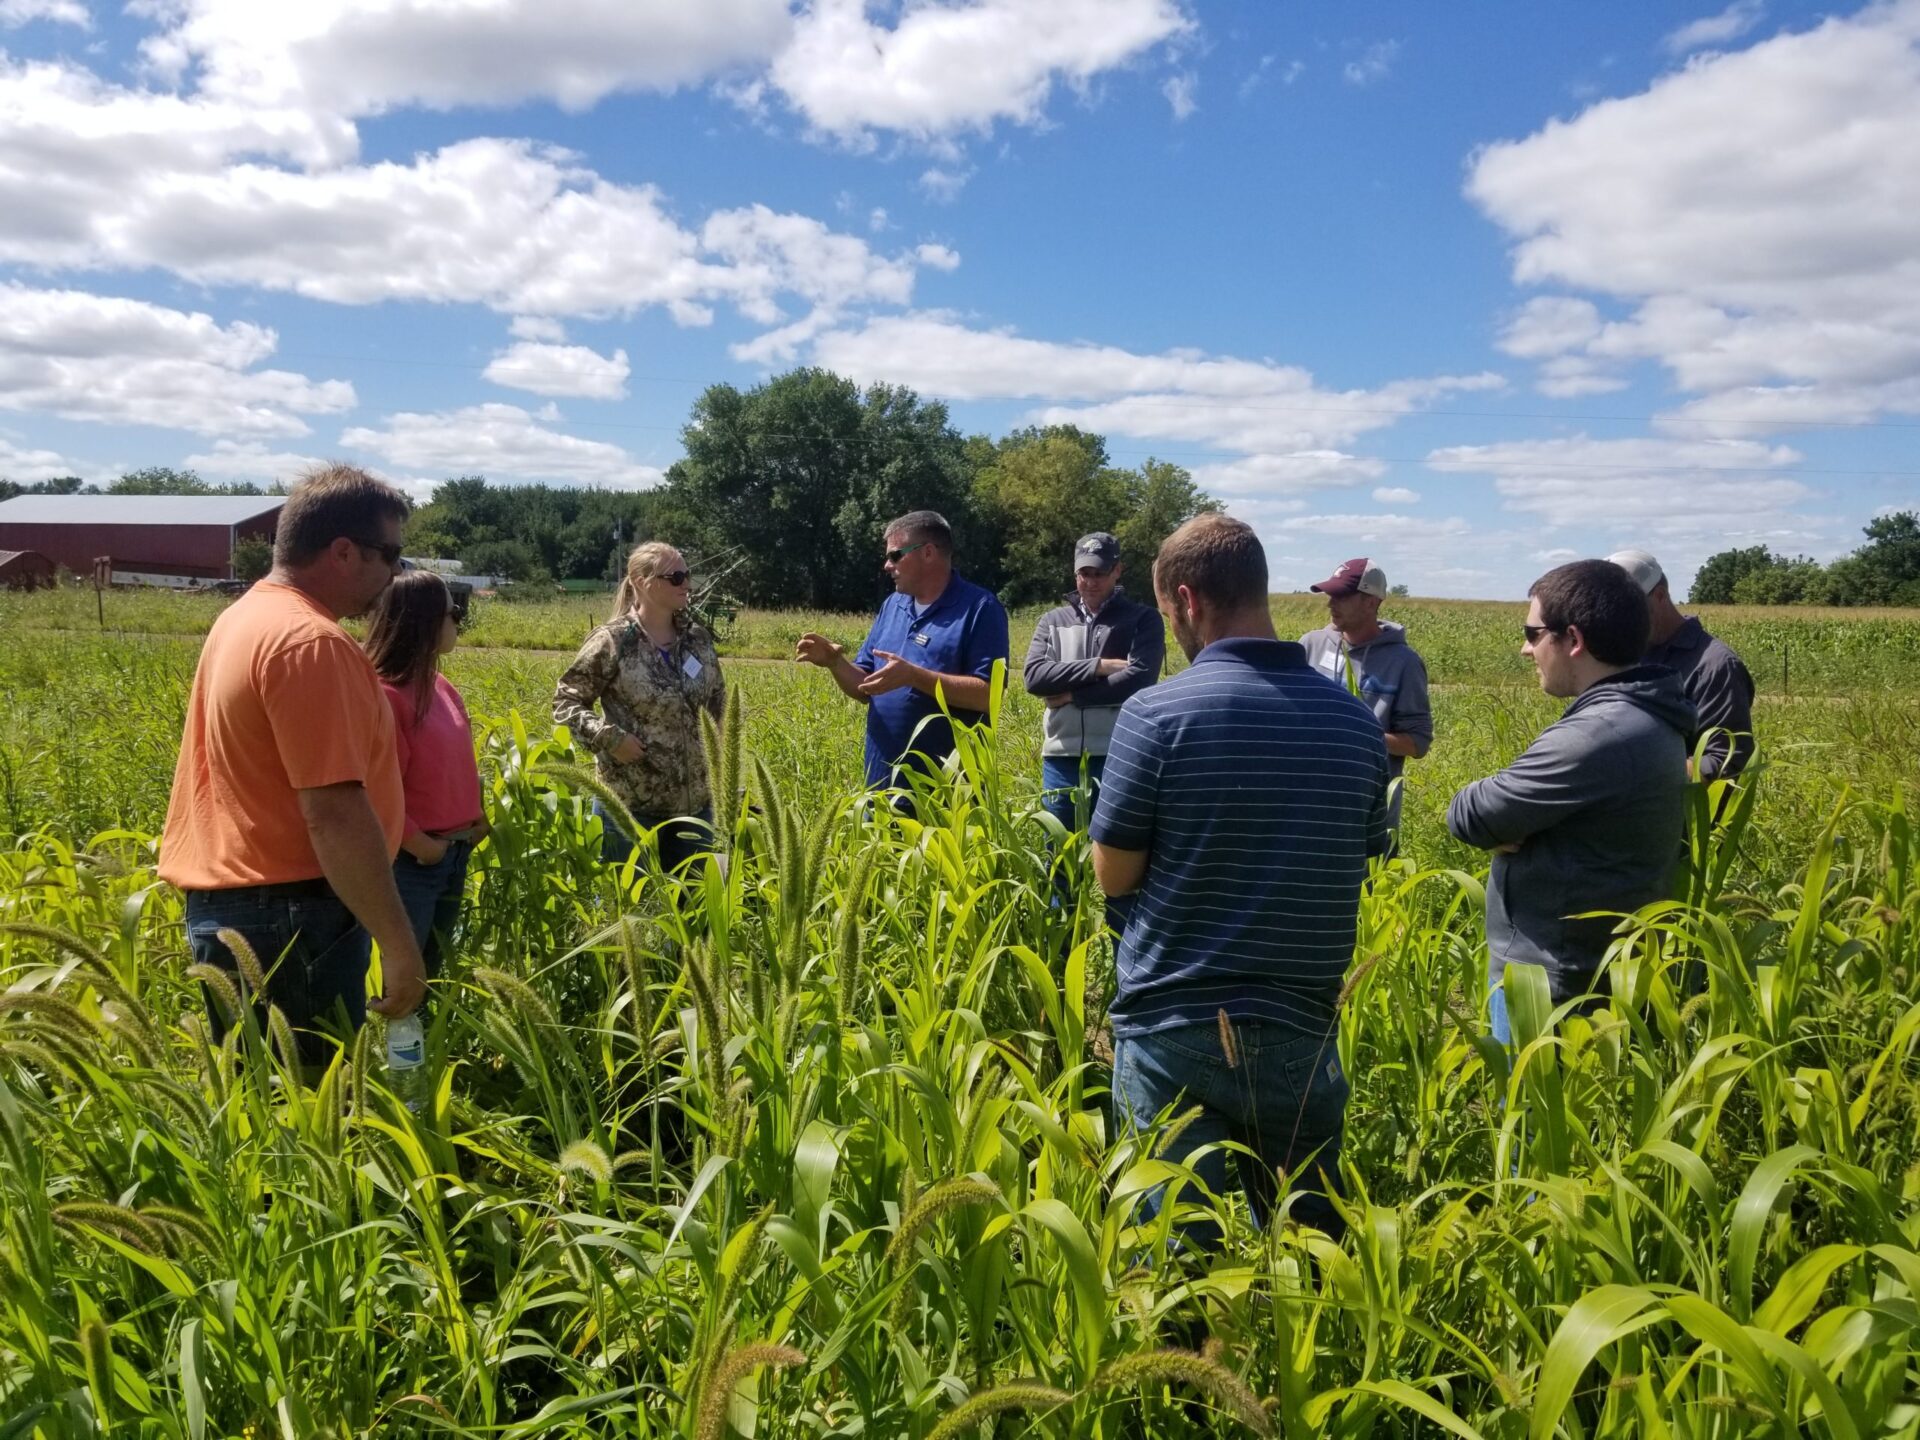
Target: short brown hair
(1604, 601)
(331, 502)
(1216, 557)
(922, 525)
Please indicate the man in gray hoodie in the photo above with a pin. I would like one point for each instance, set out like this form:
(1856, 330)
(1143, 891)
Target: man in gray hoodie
(1391, 676)
(1591, 817)
(1086, 658)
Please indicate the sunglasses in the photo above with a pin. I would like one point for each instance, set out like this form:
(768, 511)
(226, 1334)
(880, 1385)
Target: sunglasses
(1535, 632)
(675, 578)
(388, 553)
(894, 557)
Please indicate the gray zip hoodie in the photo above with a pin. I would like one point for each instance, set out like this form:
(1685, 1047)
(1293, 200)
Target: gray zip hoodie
(1064, 658)
(1597, 805)
(1393, 684)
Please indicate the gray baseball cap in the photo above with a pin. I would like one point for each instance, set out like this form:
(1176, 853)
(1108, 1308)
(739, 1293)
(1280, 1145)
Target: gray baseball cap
(1099, 550)
(1644, 569)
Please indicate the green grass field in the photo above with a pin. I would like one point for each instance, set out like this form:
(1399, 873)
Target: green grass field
(820, 1146)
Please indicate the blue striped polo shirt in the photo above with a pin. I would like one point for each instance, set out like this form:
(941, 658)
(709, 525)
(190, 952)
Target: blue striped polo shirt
(1259, 790)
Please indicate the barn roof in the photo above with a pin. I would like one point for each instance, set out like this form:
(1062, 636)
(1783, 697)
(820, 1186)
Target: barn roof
(137, 509)
(7, 557)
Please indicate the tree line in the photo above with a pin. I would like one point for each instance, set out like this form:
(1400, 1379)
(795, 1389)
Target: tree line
(1884, 571)
(784, 487)
(782, 493)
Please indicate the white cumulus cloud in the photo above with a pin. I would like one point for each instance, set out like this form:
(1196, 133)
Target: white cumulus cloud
(560, 370)
(1396, 495)
(362, 57)
(937, 70)
(250, 460)
(27, 466)
(1277, 431)
(502, 442)
(1759, 210)
(65, 12)
(127, 362)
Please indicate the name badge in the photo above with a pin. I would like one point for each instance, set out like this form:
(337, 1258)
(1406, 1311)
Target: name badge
(691, 668)
(920, 639)
(1331, 663)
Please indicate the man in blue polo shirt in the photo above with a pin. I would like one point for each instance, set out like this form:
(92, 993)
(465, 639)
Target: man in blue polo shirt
(937, 629)
(1243, 800)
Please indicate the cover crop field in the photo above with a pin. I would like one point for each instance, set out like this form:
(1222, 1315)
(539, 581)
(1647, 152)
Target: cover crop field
(820, 1145)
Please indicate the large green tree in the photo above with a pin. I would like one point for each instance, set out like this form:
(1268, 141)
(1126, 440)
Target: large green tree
(1037, 492)
(1718, 577)
(568, 532)
(791, 481)
(1161, 497)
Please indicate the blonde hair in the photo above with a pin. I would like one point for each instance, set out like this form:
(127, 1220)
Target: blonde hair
(644, 563)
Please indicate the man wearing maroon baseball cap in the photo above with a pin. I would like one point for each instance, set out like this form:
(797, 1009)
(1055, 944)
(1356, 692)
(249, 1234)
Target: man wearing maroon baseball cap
(1358, 650)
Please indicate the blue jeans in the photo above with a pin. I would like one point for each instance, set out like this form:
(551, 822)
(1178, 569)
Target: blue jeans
(1062, 798)
(314, 953)
(432, 896)
(678, 837)
(1284, 1097)
(1500, 1018)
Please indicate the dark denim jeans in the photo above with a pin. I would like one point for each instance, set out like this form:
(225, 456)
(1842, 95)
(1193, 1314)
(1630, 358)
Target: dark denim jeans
(1062, 798)
(1283, 1096)
(314, 953)
(432, 895)
(679, 837)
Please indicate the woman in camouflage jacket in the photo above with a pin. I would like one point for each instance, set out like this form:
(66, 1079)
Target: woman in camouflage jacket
(651, 669)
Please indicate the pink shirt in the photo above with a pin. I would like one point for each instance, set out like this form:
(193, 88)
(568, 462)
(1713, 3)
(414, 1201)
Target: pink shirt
(437, 767)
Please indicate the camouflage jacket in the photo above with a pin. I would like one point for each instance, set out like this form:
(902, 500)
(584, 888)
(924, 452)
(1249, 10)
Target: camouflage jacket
(655, 699)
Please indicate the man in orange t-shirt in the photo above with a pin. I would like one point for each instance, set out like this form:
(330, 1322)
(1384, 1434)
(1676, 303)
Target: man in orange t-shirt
(287, 807)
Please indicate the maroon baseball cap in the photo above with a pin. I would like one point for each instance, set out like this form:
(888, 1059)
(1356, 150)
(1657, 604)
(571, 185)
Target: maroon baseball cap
(1361, 575)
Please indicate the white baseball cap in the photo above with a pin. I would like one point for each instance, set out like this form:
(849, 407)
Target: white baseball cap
(1644, 569)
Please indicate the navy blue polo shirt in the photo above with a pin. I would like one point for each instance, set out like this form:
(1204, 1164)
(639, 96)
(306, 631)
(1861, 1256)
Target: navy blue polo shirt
(961, 633)
(1258, 787)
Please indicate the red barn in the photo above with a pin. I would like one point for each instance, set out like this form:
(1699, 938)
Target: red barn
(169, 537)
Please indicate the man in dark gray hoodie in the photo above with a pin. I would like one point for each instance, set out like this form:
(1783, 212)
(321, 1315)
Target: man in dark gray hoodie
(1591, 817)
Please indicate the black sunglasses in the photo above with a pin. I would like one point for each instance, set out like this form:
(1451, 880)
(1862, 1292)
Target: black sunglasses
(894, 557)
(1534, 632)
(388, 553)
(675, 577)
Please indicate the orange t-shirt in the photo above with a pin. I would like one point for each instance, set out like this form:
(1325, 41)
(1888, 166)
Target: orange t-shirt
(283, 701)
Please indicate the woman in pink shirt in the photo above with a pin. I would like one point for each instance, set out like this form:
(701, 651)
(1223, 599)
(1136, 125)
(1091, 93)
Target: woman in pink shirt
(414, 623)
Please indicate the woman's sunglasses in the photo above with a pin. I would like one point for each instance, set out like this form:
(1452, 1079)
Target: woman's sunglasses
(675, 578)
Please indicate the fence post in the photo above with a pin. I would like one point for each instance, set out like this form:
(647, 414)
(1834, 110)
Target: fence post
(102, 577)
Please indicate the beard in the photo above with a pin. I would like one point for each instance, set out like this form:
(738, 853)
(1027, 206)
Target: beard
(1188, 636)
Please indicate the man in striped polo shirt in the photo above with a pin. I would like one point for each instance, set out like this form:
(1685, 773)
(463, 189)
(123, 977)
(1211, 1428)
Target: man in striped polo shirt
(1243, 799)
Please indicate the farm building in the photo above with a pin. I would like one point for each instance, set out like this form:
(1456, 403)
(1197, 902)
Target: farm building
(24, 570)
(165, 538)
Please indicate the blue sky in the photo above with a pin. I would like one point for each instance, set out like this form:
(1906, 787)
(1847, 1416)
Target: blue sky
(1462, 288)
